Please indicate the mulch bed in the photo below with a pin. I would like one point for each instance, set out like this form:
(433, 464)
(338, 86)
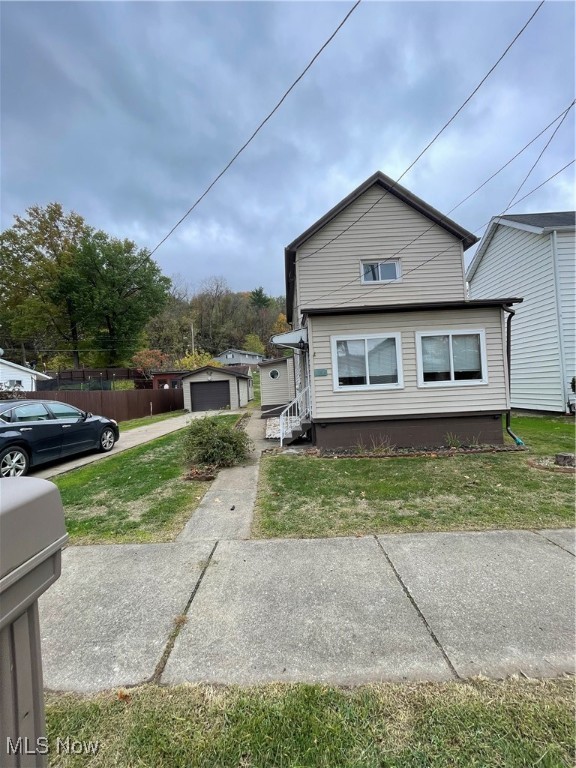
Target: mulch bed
(399, 453)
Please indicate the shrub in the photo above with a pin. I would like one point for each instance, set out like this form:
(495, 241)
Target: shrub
(213, 441)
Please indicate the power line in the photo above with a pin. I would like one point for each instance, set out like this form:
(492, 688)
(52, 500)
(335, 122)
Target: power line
(539, 156)
(476, 230)
(445, 217)
(430, 143)
(262, 124)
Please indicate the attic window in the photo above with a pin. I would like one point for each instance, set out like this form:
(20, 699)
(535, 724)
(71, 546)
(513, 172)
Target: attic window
(380, 271)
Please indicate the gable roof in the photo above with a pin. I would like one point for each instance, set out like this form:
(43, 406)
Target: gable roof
(551, 220)
(538, 223)
(389, 186)
(218, 369)
(240, 352)
(24, 368)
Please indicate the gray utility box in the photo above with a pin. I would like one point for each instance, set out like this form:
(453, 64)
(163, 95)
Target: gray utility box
(32, 534)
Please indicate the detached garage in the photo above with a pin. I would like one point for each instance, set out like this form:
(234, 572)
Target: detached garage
(211, 389)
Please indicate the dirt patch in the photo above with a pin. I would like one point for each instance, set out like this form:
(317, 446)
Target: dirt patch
(547, 464)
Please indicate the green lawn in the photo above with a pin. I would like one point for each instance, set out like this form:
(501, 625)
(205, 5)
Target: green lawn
(146, 420)
(136, 496)
(450, 725)
(309, 496)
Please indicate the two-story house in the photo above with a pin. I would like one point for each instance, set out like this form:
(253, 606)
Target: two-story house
(388, 350)
(534, 255)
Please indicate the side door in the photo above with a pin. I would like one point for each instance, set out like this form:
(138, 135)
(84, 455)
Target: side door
(78, 433)
(40, 431)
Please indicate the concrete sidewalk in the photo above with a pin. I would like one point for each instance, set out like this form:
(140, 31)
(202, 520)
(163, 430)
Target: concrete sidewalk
(433, 606)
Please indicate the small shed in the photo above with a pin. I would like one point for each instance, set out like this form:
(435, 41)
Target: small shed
(277, 385)
(167, 379)
(211, 389)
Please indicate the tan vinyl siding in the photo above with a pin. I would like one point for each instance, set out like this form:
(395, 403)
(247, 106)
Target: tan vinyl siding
(520, 263)
(332, 277)
(216, 376)
(411, 400)
(566, 261)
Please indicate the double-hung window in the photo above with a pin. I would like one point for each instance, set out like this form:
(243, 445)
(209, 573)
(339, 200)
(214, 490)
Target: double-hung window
(387, 271)
(367, 361)
(451, 358)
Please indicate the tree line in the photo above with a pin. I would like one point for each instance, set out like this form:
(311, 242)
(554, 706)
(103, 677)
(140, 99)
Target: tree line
(74, 296)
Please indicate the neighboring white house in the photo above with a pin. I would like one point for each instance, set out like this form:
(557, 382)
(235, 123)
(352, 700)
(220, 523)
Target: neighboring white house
(14, 375)
(390, 349)
(239, 357)
(533, 255)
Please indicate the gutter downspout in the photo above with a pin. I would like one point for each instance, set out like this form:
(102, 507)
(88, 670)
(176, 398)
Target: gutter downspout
(511, 314)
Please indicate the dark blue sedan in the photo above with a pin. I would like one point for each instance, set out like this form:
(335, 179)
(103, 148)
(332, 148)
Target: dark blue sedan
(33, 432)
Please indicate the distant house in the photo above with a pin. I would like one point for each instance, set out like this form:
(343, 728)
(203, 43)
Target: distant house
(387, 347)
(239, 357)
(20, 376)
(534, 255)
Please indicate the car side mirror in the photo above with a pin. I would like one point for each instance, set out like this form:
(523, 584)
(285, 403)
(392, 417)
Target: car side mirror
(86, 415)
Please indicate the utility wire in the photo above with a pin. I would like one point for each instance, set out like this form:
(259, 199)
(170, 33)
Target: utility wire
(515, 195)
(262, 124)
(476, 230)
(430, 143)
(445, 217)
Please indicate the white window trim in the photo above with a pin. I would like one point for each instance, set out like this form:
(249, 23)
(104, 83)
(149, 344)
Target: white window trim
(362, 387)
(397, 279)
(452, 332)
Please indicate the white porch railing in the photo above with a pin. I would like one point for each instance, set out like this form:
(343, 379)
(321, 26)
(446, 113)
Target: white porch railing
(294, 414)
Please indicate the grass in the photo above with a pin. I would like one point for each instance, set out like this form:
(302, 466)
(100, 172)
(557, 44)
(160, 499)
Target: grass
(146, 420)
(134, 497)
(310, 497)
(256, 401)
(449, 725)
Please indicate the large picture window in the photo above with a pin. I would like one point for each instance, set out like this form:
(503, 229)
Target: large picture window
(451, 357)
(360, 362)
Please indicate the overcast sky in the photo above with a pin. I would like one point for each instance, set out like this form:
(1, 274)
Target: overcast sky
(126, 111)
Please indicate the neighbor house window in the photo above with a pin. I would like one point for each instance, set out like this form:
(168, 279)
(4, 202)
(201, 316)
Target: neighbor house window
(361, 362)
(452, 357)
(380, 271)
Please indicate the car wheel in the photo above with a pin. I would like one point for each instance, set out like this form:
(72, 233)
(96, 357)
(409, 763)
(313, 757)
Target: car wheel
(14, 462)
(107, 440)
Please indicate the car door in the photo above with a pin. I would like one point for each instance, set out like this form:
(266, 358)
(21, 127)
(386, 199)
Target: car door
(39, 430)
(78, 433)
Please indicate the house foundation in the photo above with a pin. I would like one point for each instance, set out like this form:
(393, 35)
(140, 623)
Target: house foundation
(431, 431)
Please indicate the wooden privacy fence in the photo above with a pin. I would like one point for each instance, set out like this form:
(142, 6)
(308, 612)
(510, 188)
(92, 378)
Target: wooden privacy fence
(123, 405)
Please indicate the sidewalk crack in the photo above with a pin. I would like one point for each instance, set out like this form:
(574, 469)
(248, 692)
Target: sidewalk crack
(553, 542)
(179, 623)
(419, 612)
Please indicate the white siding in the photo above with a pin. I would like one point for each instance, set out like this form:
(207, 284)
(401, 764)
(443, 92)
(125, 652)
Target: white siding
(520, 263)
(8, 373)
(411, 400)
(216, 376)
(431, 266)
(566, 270)
(280, 390)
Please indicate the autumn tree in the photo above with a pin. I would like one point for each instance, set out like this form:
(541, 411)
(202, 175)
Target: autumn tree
(252, 343)
(148, 360)
(197, 360)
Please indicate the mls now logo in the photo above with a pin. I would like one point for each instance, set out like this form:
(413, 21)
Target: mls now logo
(25, 746)
(40, 746)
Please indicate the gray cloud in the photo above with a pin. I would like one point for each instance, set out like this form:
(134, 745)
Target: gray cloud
(125, 112)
